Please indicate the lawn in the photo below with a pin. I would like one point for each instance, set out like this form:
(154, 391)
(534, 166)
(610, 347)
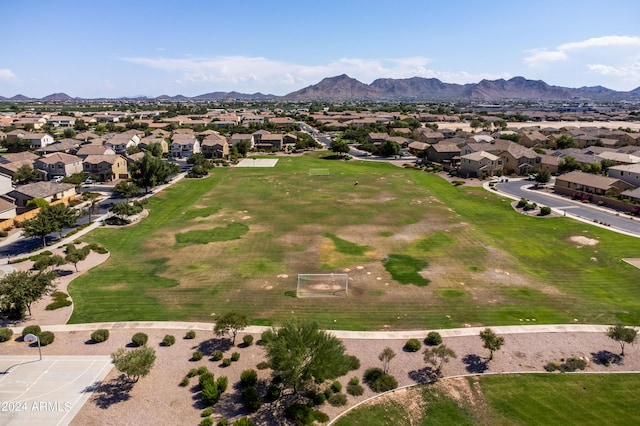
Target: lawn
(420, 253)
(528, 399)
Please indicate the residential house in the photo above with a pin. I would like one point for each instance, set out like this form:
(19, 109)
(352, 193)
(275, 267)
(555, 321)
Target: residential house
(480, 164)
(416, 147)
(549, 163)
(376, 138)
(518, 159)
(62, 121)
(94, 149)
(576, 183)
(36, 140)
(10, 163)
(63, 145)
(619, 157)
(281, 122)
(184, 145)
(6, 184)
(48, 191)
(532, 138)
(59, 164)
(239, 137)
(106, 167)
(443, 152)
(629, 173)
(215, 146)
(270, 141)
(145, 142)
(8, 210)
(120, 142)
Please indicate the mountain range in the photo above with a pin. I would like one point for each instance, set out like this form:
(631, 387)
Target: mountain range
(345, 88)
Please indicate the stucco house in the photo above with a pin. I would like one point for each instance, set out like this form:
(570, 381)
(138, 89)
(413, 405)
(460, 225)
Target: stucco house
(59, 164)
(477, 164)
(49, 191)
(576, 182)
(106, 167)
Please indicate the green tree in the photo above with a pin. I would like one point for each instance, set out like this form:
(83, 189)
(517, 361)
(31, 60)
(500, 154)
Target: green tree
(386, 356)
(69, 133)
(339, 146)
(125, 209)
(568, 164)
(230, 324)
(18, 290)
(565, 141)
(134, 363)
(475, 123)
(37, 203)
(40, 226)
(622, 335)
(243, 147)
(438, 356)
(60, 215)
(75, 256)
(93, 198)
(25, 174)
(543, 176)
(389, 148)
(491, 341)
(150, 171)
(300, 353)
(155, 149)
(49, 263)
(126, 189)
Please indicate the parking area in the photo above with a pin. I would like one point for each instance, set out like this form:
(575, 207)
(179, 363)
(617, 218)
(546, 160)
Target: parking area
(50, 391)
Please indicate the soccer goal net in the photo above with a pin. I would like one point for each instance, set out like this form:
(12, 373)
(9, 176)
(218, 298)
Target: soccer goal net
(323, 285)
(318, 172)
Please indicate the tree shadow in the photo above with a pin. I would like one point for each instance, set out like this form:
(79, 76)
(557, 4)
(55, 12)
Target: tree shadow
(208, 346)
(424, 375)
(110, 393)
(475, 364)
(606, 358)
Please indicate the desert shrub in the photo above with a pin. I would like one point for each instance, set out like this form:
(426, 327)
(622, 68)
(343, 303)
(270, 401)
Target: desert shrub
(168, 340)
(190, 335)
(235, 356)
(216, 355)
(5, 334)
(139, 339)
(336, 386)
(248, 378)
(3, 234)
(207, 421)
(522, 203)
(353, 363)
(320, 417)
(338, 399)
(545, 211)
(197, 356)
(573, 364)
(226, 362)
(328, 392)
(206, 412)
(551, 366)
(433, 339)
(185, 382)
(252, 399)
(244, 421)
(31, 329)
(201, 370)
(223, 422)
(247, 340)
(266, 337)
(222, 383)
(263, 365)
(354, 388)
(273, 392)
(192, 373)
(100, 335)
(299, 414)
(379, 381)
(412, 345)
(46, 338)
(209, 389)
(318, 398)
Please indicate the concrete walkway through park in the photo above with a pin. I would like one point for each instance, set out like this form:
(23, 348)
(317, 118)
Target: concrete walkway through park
(343, 334)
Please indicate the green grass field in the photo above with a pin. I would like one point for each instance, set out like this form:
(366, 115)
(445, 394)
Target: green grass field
(420, 253)
(528, 399)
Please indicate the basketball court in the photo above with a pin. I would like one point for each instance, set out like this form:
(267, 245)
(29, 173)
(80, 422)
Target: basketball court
(258, 162)
(50, 391)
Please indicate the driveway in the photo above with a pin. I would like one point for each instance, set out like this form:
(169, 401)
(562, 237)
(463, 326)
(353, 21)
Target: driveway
(588, 213)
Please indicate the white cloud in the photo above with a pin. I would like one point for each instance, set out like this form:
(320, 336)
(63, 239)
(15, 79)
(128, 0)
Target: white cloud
(7, 74)
(244, 73)
(567, 51)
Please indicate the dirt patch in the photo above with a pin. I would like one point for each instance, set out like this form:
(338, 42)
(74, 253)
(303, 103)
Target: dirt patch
(583, 241)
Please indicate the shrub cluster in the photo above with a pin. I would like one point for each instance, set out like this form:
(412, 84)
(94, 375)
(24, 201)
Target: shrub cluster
(100, 335)
(168, 340)
(433, 339)
(354, 388)
(216, 355)
(247, 340)
(248, 378)
(139, 339)
(338, 399)
(5, 334)
(412, 345)
(544, 211)
(196, 356)
(209, 388)
(226, 362)
(31, 329)
(301, 414)
(235, 356)
(568, 366)
(190, 335)
(46, 338)
(379, 381)
(252, 399)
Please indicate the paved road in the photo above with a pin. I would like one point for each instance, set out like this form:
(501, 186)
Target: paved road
(588, 213)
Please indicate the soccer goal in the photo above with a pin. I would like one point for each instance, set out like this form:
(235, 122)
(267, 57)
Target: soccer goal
(323, 285)
(318, 172)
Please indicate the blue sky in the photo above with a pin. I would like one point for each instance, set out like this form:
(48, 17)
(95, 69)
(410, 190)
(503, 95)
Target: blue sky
(138, 47)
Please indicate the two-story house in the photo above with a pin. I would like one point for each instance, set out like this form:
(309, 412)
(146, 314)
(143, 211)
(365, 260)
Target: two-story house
(59, 164)
(106, 167)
